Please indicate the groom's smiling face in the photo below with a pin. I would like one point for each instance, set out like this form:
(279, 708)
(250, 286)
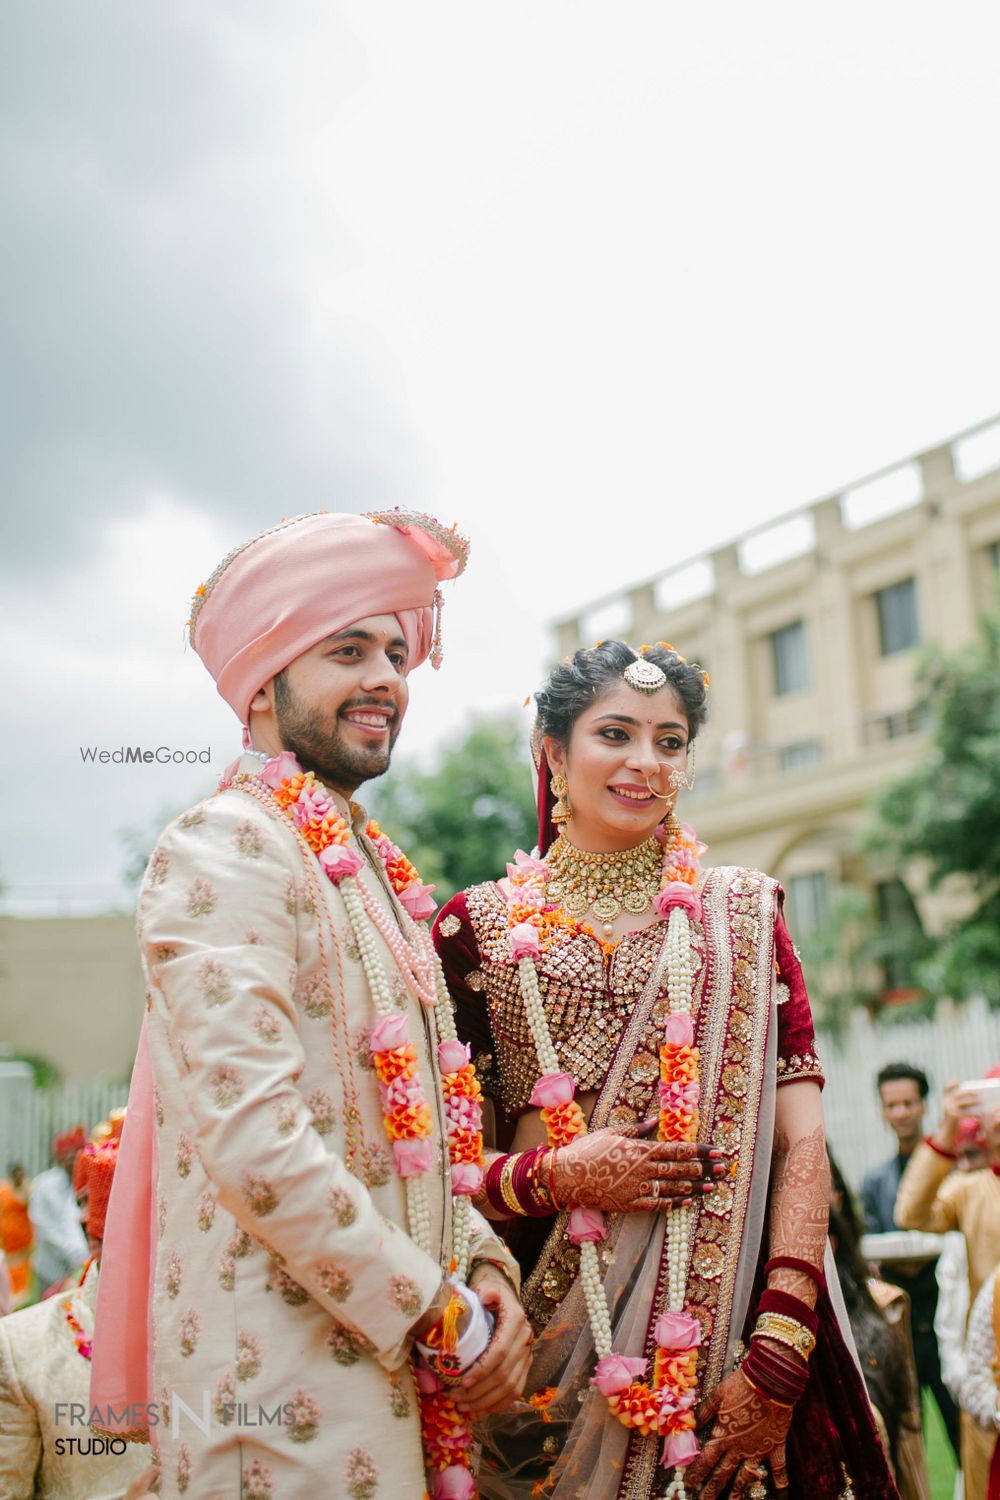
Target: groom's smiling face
(339, 706)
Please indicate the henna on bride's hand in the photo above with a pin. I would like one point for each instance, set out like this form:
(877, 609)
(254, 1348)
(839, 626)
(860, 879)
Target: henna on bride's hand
(625, 1174)
(746, 1430)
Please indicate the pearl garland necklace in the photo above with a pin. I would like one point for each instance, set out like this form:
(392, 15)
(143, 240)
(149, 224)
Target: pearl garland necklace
(533, 925)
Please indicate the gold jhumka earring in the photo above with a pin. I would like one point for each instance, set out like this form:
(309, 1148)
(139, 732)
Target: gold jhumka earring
(562, 812)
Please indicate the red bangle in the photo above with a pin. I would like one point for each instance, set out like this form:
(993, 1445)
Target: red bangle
(514, 1185)
(940, 1150)
(773, 1377)
(527, 1187)
(790, 1307)
(790, 1263)
(492, 1184)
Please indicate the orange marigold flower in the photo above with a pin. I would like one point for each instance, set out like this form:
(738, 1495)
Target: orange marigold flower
(288, 791)
(678, 1126)
(408, 1122)
(398, 1062)
(564, 1122)
(637, 1407)
(541, 1400)
(677, 1371)
(464, 1084)
(465, 1145)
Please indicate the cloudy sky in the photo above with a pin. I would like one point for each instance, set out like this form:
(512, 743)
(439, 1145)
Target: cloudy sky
(605, 284)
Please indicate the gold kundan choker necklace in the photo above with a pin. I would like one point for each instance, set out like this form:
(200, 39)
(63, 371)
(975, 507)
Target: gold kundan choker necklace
(604, 883)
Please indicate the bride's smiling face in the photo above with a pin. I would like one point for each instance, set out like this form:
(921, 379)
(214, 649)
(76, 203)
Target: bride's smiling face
(623, 748)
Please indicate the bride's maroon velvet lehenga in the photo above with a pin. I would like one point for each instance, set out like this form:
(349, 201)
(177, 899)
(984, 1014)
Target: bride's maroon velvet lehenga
(755, 1031)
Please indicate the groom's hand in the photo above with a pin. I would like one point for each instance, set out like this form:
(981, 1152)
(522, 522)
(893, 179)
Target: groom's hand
(498, 1377)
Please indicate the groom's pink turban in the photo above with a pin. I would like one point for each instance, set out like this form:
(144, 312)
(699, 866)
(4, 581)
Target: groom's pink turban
(285, 590)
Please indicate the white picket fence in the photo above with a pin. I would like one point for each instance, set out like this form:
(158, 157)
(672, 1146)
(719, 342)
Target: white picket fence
(30, 1117)
(961, 1041)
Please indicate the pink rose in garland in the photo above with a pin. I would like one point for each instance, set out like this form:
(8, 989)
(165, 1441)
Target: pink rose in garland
(616, 1372)
(388, 1032)
(524, 941)
(466, 1178)
(280, 768)
(552, 1089)
(340, 861)
(454, 1055)
(677, 1331)
(587, 1226)
(680, 1449)
(677, 893)
(454, 1483)
(417, 899)
(678, 1030)
(413, 1157)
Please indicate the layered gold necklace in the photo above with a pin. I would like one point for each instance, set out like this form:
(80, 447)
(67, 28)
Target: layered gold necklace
(604, 883)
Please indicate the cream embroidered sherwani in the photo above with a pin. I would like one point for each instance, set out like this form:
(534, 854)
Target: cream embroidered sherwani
(41, 1374)
(286, 1282)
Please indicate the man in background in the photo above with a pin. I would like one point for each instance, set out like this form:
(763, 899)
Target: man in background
(45, 1354)
(60, 1245)
(903, 1091)
(934, 1196)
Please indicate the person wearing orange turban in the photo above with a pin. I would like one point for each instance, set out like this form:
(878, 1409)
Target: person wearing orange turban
(47, 1450)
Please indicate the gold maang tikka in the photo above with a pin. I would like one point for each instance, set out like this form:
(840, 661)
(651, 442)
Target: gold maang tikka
(644, 676)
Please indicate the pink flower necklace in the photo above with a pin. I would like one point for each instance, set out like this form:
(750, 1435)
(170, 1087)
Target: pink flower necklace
(535, 924)
(82, 1340)
(447, 1433)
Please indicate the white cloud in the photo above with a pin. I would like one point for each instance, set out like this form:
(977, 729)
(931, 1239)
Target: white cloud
(607, 290)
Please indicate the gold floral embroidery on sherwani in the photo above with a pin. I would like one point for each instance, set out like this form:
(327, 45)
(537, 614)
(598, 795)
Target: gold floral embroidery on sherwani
(286, 1282)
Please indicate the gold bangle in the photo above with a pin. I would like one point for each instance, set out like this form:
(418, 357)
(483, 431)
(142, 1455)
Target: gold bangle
(507, 1188)
(785, 1330)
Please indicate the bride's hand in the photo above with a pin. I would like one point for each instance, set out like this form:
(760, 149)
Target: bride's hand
(747, 1431)
(622, 1174)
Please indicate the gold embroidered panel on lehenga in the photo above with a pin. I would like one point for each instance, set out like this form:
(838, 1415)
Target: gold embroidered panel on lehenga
(588, 996)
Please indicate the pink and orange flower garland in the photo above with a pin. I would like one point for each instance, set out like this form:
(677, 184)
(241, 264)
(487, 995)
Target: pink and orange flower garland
(666, 1405)
(447, 1433)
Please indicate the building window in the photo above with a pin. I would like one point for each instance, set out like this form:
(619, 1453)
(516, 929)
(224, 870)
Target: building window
(896, 726)
(799, 757)
(790, 658)
(898, 626)
(898, 919)
(809, 900)
(993, 553)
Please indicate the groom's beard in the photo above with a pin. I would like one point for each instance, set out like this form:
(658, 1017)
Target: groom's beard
(320, 747)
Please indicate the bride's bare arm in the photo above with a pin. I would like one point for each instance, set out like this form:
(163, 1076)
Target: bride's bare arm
(800, 1188)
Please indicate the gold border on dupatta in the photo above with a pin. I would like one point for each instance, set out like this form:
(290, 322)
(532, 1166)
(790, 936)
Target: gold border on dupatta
(732, 1027)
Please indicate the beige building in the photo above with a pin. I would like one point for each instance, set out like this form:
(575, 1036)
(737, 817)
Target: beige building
(71, 992)
(812, 661)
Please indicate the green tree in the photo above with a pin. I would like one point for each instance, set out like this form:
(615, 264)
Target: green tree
(944, 813)
(461, 820)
